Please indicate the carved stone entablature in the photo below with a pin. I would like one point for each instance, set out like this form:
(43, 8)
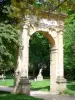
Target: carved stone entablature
(45, 23)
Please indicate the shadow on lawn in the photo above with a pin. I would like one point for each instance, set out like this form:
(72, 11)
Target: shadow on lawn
(9, 96)
(2, 92)
(47, 88)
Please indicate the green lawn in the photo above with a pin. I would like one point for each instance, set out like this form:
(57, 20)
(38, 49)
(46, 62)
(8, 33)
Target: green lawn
(42, 85)
(7, 82)
(8, 96)
(70, 88)
(35, 85)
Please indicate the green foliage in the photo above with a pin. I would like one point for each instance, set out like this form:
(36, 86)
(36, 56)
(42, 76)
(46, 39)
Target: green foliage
(70, 88)
(69, 47)
(35, 7)
(8, 46)
(8, 37)
(69, 92)
(8, 96)
(39, 55)
(21, 8)
(6, 11)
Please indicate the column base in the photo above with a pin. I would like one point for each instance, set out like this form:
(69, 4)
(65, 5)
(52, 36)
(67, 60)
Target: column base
(61, 84)
(23, 86)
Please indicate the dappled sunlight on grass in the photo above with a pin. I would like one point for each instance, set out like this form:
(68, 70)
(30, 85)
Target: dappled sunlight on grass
(7, 82)
(41, 85)
(8, 96)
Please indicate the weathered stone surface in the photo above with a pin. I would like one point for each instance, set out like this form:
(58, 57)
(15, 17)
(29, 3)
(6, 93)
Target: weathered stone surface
(61, 84)
(52, 28)
(23, 86)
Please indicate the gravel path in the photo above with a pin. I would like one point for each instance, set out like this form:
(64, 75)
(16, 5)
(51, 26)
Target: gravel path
(44, 95)
(48, 96)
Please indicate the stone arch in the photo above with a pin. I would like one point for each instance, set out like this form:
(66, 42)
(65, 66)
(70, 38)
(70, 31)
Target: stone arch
(52, 43)
(47, 35)
(53, 29)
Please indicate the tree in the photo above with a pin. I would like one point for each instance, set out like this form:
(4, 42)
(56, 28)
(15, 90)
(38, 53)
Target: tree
(39, 55)
(69, 46)
(36, 7)
(8, 37)
(8, 46)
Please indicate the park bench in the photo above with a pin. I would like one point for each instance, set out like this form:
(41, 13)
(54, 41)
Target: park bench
(2, 77)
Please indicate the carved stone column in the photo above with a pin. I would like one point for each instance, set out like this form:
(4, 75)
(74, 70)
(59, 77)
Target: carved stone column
(25, 51)
(23, 85)
(54, 63)
(24, 81)
(61, 81)
(53, 70)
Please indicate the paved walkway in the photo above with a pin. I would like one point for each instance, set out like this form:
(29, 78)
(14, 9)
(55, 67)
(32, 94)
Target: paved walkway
(48, 96)
(44, 95)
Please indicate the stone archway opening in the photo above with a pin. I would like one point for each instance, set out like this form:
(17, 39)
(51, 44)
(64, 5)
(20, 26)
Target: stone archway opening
(50, 43)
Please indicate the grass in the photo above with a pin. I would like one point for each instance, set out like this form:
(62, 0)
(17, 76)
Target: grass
(7, 82)
(35, 85)
(70, 88)
(8, 96)
(42, 85)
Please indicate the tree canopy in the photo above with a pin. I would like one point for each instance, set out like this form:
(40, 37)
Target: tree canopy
(69, 46)
(8, 36)
(39, 53)
(34, 7)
